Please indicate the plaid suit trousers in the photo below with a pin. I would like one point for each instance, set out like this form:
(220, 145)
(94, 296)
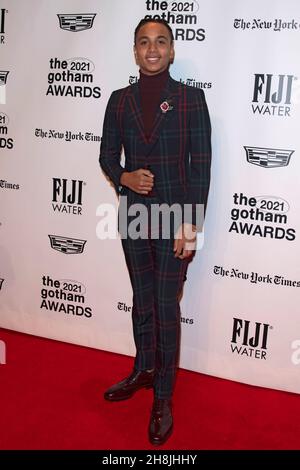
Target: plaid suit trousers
(157, 280)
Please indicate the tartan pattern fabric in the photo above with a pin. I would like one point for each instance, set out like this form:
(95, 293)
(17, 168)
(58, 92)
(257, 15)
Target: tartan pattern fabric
(157, 279)
(178, 153)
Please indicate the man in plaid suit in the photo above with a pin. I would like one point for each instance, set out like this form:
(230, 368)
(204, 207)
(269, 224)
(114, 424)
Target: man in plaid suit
(164, 129)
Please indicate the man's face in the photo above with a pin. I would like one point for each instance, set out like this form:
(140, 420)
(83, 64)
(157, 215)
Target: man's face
(153, 49)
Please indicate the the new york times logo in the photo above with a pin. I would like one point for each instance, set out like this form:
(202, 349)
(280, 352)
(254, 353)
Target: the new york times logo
(256, 278)
(76, 22)
(5, 141)
(192, 82)
(67, 245)
(272, 25)
(250, 219)
(128, 308)
(124, 307)
(273, 94)
(3, 13)
(72, 77)
(250, 338)
(68, 136)
(7, 185)
(67, 196)
(178, 14)
(65, 296)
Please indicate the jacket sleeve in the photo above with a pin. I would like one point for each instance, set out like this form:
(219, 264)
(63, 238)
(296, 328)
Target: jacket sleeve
(200, 159)
(111, 143)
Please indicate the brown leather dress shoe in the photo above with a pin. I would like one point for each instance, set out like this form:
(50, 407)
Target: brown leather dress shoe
(127, 387)
(161, 421)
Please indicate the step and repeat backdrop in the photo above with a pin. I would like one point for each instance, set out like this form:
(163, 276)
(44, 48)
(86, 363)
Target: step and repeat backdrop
(60, 277)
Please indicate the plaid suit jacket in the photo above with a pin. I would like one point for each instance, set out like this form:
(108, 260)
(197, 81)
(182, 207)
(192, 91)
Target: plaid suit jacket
(178, 151)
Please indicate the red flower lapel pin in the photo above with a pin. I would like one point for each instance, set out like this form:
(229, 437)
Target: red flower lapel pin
(166, 106)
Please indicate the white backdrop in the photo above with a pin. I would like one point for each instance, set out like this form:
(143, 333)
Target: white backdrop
(240, 309)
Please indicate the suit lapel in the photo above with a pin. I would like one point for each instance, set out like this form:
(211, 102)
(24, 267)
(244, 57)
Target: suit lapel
(136, 110)
(169, 95)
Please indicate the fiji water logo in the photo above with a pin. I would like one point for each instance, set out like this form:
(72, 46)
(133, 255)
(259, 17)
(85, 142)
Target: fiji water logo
(250, 338)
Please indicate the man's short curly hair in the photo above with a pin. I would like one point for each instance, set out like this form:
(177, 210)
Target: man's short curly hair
(153, 20)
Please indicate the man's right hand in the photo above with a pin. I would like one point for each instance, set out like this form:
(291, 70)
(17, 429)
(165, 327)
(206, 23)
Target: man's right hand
(141, 181)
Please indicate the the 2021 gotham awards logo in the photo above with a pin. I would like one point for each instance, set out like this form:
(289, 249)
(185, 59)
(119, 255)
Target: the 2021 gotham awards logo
(181, 16)
(67, 196)
(64, 295)
(6, 142)
(268, 157)
(272, 94)
(249, 338)
(72, 78)
(3, 13)
(264, 217)
(3, 81)
(67, 245)
(76, 22)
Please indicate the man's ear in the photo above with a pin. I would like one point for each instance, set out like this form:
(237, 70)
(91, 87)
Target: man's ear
(172, 54)
(135, 55)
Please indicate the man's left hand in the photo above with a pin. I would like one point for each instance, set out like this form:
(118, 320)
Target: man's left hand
(185, 241)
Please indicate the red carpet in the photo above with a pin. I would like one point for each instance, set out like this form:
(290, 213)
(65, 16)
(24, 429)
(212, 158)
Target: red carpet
(51, 398)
